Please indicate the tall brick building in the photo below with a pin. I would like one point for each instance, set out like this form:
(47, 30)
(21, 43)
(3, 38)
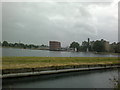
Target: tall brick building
(54, 45)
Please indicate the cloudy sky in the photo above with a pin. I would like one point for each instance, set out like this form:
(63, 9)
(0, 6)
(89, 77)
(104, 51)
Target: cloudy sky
(40, 22)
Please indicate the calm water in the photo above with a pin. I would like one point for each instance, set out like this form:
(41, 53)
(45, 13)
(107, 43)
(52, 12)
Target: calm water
(47, 53)
(85, 79)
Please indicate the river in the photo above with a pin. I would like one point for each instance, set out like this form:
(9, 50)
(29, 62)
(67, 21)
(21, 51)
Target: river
(47, 53)
(83, 79)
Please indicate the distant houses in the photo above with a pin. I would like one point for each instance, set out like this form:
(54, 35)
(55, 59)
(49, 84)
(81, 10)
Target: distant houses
(54, 46)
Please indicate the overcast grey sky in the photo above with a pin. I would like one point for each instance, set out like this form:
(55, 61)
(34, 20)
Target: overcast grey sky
(38, 23)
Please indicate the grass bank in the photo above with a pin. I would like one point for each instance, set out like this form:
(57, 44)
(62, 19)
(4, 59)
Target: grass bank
(38, 62)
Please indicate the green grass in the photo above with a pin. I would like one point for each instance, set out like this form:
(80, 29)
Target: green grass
(33, 62)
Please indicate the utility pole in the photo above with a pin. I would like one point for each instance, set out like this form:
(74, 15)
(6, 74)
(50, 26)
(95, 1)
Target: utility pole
(88, 45)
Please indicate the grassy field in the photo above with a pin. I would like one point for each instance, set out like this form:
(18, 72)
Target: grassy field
(33, 62)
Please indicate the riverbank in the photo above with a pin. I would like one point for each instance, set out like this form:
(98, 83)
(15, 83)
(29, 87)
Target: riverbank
(13, 65)
(27, 48)
(49, 72)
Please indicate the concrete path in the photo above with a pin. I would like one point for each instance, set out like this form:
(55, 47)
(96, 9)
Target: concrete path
(54, 72)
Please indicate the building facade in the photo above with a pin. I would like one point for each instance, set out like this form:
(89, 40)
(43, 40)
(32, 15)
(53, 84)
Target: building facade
(54, 46)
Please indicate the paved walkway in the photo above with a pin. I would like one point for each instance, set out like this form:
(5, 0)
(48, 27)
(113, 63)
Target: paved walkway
(54, 72)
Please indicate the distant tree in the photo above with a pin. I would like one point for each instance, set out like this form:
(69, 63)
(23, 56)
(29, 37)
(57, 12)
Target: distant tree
(75, 45)
(42, 45)
(5, 43)
(98, 46)
(21, 45)
(116, 47)
(26, 46)
(32, 46)
(11, 45)
(84, 46)
(16, 45)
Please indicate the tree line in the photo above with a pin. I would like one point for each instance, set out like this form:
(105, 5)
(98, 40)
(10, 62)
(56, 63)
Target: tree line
(96, 46)
(21, 45)
(92, 46)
